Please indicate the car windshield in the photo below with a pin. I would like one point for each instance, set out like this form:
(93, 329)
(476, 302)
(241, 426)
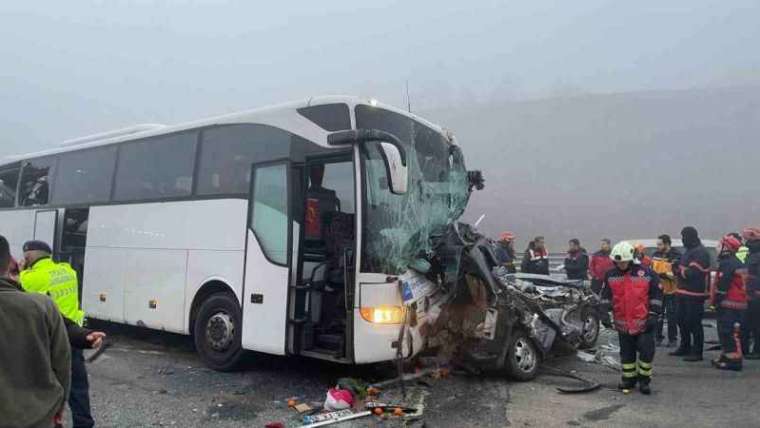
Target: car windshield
(398, 228)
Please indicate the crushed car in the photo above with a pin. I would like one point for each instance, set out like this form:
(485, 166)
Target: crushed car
(486, 319)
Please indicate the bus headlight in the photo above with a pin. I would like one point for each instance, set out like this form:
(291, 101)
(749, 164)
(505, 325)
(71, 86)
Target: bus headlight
(383, 314)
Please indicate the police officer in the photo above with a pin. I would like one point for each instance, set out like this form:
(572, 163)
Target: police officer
(40, 274)
(634, 293)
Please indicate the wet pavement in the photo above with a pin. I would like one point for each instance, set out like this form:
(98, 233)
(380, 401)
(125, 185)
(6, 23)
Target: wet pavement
(155, 379)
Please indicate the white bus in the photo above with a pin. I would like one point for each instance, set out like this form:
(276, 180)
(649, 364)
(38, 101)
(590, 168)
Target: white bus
(281, 230)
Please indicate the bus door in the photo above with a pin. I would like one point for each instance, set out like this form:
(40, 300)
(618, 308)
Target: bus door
(322, 295)
(45, 225)
(268, 258)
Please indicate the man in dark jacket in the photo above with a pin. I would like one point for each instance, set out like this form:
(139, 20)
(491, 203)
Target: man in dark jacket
(751, 324)
(694, 271)
(35, 358)
(731, 301)
(576, 262)
(536, 259)
(634, 295)
(505, 251)
(599, 265)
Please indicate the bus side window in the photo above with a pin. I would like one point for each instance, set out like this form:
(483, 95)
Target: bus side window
(35, 181)
(8, 184)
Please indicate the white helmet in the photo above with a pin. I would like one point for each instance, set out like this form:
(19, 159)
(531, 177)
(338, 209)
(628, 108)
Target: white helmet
(622, 252)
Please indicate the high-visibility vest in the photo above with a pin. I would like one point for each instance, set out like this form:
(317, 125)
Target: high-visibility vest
(57, 280)
(742, 254)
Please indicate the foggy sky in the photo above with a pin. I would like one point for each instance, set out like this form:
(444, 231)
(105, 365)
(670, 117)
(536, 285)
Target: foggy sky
(74, 68)
(541, 87)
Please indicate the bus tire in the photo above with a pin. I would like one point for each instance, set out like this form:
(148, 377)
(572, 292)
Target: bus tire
(217, 332)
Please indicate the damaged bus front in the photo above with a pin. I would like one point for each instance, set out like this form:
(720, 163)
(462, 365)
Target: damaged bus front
(414, 185)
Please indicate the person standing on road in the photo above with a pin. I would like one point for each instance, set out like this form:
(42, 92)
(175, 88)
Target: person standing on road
(536, 259)
(641, 256)
(751, 324)
(634, 294)
(35, 361)
(576, 262)
(40, 274)
(663, 261)
(599, 265)
(731, 300)
(694, 270)
(505, 251)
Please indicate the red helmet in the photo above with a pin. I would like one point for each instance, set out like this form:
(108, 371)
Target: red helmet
(751, 233)
(506, 236)
(729, 243)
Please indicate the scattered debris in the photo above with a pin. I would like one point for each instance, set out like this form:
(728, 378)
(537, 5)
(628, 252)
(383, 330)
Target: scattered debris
(338, 399)
(330, 418)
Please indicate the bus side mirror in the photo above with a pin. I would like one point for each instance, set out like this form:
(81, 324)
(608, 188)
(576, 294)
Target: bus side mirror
(393, 152)
(397, 171)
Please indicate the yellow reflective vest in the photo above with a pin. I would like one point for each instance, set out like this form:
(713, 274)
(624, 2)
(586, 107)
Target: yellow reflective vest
(57, 280)
(742, 254)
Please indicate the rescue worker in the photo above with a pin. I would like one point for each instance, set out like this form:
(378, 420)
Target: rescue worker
(641, 256)
(536, 259)
(751, 324)
(731, 300)
(505, 251)
(40, 274)
(35, 356)
(576, 262)
(634, 294)
(599, 265)
(743, 250)
(663, 261)
(691, 292)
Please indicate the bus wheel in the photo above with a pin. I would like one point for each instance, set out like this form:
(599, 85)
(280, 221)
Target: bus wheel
(217, 332)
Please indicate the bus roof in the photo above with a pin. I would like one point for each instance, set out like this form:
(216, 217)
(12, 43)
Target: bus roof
(267, 115)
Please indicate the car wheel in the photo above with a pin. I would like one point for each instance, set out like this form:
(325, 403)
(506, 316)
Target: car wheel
(217, 332)
(590, 330)
(523, 358)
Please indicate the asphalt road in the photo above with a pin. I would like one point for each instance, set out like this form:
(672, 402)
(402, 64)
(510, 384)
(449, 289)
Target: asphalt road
(155, 379)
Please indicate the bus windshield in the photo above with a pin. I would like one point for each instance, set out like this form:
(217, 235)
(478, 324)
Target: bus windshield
(398, 228)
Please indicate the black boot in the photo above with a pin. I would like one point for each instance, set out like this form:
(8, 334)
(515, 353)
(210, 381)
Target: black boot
(627, 383)
(679, 352)
(644, 386)
(726, 364)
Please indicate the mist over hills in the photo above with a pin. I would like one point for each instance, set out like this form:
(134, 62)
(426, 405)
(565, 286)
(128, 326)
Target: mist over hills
(627, 165)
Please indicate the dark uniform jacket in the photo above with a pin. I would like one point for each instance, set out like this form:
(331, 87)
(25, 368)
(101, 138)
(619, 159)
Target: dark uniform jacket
(35, 360)
(753, 270)
(576, 265)
(694, 270)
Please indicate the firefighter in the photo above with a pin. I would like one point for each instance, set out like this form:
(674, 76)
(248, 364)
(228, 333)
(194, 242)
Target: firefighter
(40, 274)
(641, 256)
(751, 324)
(663, 261)
(691, 293)
(731, 300)
(634, 294)
(505, 251)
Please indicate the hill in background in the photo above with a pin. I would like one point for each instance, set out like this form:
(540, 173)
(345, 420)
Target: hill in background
(629, 165)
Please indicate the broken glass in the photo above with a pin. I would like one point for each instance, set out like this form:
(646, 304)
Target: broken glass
(398, 228)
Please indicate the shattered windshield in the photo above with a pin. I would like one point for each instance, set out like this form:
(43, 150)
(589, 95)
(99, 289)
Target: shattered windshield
(397, 228)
